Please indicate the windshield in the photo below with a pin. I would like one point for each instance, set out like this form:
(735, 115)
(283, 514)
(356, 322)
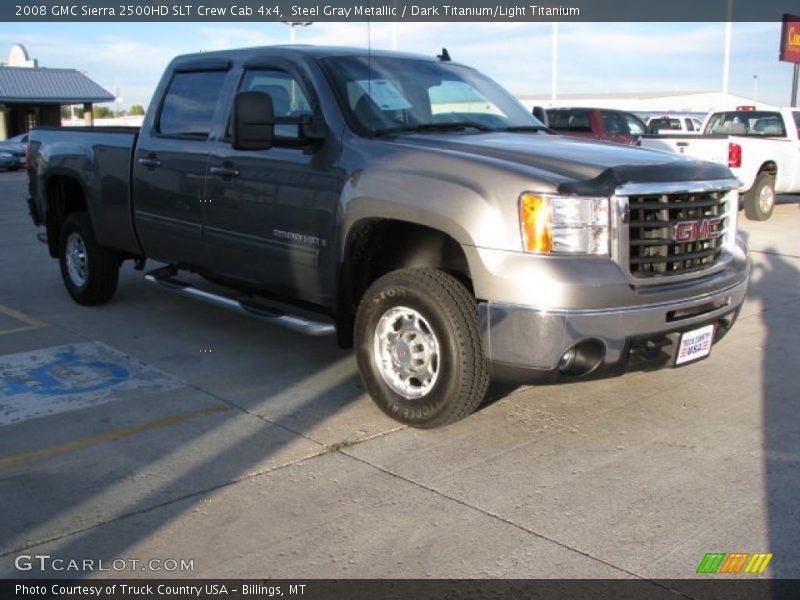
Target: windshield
(746, 122)
(389, 94)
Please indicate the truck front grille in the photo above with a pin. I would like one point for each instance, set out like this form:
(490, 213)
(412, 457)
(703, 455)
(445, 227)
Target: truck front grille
(673, 234)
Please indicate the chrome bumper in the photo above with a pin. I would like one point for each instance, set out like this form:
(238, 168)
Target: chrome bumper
(528, 338)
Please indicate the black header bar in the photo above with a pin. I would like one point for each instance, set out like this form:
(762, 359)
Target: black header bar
(393, 10)
(717, 588)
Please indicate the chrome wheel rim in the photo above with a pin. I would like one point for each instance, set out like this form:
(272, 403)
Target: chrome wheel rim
(406, 352)
(766, 198)
(77, 262)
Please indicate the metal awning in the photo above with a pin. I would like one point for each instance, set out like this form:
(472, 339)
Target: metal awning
(22, 85)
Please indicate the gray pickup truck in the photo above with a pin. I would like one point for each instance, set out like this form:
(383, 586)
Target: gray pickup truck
(408, 205)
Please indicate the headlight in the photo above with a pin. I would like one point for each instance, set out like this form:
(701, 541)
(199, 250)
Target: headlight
(563, 224)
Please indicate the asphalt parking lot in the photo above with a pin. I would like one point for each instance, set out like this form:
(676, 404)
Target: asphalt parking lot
(157, 427)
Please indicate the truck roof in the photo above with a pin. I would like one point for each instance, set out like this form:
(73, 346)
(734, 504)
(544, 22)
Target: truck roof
(308, 51)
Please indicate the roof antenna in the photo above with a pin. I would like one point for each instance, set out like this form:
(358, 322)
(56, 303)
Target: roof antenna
(444, 56)
(369, 57)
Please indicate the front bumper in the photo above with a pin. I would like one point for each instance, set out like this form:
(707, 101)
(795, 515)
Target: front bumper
(524, 343)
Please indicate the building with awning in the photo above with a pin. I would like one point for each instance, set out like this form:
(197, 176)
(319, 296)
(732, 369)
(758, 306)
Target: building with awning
(32, 96)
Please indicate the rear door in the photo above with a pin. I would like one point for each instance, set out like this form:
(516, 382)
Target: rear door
(169, 166)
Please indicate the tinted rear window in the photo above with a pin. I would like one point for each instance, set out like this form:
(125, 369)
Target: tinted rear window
(655, 125)
(190, 103)
(747, 122)
(569, 120)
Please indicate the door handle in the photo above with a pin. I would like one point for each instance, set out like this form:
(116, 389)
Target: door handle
(224, 171)
(150, 162)
(682, 144)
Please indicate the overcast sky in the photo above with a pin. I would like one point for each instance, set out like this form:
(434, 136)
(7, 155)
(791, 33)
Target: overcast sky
(593, 57)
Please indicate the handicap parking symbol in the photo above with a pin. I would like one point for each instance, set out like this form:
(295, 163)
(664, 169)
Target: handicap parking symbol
(65, 375)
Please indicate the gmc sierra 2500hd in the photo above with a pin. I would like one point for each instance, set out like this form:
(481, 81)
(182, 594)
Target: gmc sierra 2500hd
(415, 206)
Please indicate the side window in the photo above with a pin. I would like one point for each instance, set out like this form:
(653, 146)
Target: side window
(189, 103)
(570, 120)
(689, 124)
(635, 126)
(612, 122)
(796, 115)
(288, 97)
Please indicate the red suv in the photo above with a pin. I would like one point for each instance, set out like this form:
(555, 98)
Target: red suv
(597, 123)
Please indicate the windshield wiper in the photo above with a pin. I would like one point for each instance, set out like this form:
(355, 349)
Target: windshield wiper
(423, 127)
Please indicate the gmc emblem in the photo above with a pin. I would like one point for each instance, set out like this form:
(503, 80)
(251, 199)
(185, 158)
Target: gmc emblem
(693, 231)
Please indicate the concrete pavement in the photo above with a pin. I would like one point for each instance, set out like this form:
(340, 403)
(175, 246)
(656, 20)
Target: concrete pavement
(260, 455)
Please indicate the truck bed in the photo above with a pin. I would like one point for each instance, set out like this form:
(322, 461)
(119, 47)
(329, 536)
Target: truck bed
(100, 159)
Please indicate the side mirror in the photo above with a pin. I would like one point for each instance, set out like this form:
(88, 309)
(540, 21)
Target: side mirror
(540, 113)
(312, 128)
(253, 123)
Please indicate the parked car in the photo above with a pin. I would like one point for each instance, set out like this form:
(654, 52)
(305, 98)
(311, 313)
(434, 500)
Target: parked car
(12, 152)
(762, 149)
(598, 124)
(409, 205)
(18, 142)
(670, 124)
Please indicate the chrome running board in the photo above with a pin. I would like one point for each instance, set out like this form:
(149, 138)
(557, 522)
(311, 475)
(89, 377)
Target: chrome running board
(247, 306)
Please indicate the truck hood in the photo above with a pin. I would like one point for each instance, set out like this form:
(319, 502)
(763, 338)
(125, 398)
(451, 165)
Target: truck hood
(578, 166)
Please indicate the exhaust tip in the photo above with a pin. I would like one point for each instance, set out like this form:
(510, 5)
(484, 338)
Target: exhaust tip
(582, 359)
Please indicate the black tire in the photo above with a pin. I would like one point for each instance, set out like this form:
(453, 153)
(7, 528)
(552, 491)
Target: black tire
(753, 209)
(101, 264)
(448, 311)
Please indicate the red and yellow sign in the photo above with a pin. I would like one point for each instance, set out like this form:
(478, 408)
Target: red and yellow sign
(790, 39)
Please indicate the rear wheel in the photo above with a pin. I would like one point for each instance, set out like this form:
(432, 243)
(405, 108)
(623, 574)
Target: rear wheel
(759, 201)
(418, 348)
(90, 271)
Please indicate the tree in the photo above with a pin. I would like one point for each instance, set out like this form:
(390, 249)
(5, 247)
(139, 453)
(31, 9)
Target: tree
(136, 109)
(102, 112)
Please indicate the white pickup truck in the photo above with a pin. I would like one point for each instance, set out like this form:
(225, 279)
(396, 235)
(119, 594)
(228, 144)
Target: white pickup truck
(761, 147)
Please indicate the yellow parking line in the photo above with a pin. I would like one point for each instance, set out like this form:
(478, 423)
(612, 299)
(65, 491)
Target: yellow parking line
(109, 436)
(30, 322)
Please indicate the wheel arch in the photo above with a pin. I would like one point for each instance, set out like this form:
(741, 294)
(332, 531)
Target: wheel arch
(376, 246)
(63, 195)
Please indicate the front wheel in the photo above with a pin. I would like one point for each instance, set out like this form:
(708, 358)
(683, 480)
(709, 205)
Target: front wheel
(418, 348)
(760, 199)
(90, 271)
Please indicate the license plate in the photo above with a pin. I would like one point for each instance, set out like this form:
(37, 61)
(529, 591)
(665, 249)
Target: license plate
(695, 344)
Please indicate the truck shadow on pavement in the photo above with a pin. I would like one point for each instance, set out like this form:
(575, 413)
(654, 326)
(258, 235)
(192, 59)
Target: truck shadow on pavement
(74, 502)
(780, 407)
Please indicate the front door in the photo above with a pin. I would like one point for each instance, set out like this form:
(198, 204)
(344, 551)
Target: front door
(270, 213)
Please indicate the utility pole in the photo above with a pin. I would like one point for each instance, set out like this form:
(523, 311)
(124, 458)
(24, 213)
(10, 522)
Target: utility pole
(554, 75)
(726, 61)
(292, 25)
